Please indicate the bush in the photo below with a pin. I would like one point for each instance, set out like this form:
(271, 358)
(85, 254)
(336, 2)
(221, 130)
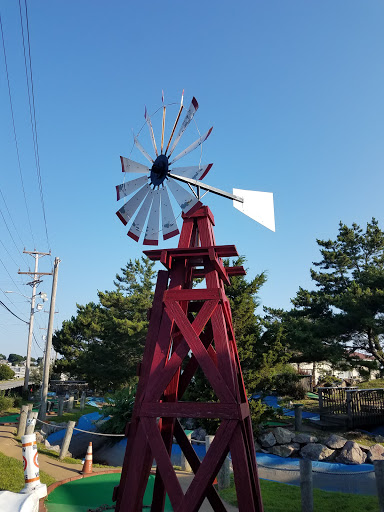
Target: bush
(288, 383)
(5, 372)
(17, 400)
(6, 402)
(120, 407)
(329, 381)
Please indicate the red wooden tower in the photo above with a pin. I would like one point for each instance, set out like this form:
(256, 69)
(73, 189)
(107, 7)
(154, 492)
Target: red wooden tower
(192, 326)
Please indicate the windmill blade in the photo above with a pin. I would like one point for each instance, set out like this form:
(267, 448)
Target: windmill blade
(257, 205)
(163, 124)
(127, 211)
(148, 119)
(193, 146)
(126, 189)
(128, 165)
(138, 222)
(152, 231)
(195, 172)
(167, 216)
(188, 118)
(140, 148)
(177, 120)
(187, 201)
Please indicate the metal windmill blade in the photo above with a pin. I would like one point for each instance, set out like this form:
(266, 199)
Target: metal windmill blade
(151, 200)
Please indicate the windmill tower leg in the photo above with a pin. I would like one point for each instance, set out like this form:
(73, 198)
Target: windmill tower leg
(192, 324)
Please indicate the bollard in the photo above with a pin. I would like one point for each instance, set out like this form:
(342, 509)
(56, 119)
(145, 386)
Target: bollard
(31, 467)
(298, 416)
(82, 401)
(30, 407)
(184, 463)
(67, 439)
(379, 474)
(60, 406)
(224, 475)
(306, 485)
(70, 404)
(22, 420)
(31, 423)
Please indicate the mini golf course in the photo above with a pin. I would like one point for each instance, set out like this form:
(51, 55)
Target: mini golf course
(92, 492)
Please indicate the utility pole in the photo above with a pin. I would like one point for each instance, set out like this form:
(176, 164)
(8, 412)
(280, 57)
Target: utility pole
(47, 360)
(36, 280)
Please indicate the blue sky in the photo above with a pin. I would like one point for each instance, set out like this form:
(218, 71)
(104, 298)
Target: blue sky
(294, 91)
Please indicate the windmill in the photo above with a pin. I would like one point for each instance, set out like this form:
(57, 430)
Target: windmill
(188, 328)
(149, 193)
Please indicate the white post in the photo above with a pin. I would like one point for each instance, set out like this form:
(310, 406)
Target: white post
(31, 467)
(31, 423)
(184, 463)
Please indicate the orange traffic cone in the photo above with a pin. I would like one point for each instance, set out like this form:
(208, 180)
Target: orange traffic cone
(87, 467)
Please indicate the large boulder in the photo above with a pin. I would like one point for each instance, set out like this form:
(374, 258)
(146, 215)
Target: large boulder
(351, 453)
(257, 447)
(304, 439)
(282, 450)
(39, 437)
(283, 435)
(335, 442)
(267, 440)
(375, 452)
(317, 451)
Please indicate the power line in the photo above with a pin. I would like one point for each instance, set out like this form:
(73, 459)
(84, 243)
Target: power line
(14, 130)
(1, 261)
(12, 313)
(32, 111)
(10, 216)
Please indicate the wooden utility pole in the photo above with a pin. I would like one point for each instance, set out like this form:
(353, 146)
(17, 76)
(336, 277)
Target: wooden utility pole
(48, 346)
(36, 280)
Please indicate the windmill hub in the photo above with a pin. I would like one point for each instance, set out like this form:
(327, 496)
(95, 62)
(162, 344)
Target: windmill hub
(159, 170)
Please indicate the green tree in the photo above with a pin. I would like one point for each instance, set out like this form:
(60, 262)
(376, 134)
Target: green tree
(3, 357)
(15, 359)
(345, 312)
(5, 372)
(104, 342)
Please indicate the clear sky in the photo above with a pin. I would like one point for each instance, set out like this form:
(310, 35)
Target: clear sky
(293, 89)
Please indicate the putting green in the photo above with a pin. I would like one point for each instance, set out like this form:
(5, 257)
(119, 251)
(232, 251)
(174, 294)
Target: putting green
(13, 418)
(92, 492)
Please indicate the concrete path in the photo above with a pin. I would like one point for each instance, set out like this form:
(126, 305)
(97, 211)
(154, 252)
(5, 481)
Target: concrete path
(61, 471)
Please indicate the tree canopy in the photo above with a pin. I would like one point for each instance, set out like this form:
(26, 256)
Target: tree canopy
(5, 372)
(344, 313)
(15, 359)
(104, 342)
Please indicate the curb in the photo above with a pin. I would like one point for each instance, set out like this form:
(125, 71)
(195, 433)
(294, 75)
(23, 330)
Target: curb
(53, 486)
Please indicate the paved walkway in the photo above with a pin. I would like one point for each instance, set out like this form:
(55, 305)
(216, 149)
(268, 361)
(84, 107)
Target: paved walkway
(61, 471)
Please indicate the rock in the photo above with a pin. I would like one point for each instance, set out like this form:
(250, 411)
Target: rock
(39, 437)
(47, 444)
(317, 451)
(295, 446)
(283, 450)
(379, 439)
(282, 435)
(257, 447)
(375, 452)
(199, 434)
(304, 438)
(364, 447)
(56, 448)
(335, 442)
(351, 454)
(267, 440)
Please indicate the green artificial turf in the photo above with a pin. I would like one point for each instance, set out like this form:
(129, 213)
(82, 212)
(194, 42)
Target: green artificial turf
(92, 492)
(13, 418)
(12, 474)
(286, 498)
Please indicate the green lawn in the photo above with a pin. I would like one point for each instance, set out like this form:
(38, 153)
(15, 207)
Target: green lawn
(371, 384)
(74, 415)
(12, 474)
(286, 498)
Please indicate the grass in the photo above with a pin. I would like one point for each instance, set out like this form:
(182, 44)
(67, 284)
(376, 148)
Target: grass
(12, 474)
(72, 416)
(286, 498)
(371, 384)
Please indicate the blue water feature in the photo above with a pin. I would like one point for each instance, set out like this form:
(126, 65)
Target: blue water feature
(272, 401)
(85, 422)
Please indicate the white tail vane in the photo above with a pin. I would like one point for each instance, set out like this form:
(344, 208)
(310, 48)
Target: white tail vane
(148, 119)
(140, 148)
(128, 165)
(257, 205)
(170, 228)
(128, 188)
(152, 231)
(139, 221)
(188, 118)
(193, 146)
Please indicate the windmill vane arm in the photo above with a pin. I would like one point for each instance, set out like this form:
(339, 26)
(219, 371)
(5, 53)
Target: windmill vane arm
(202, 185)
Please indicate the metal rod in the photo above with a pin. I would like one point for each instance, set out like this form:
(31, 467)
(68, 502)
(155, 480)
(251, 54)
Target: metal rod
(214, 190)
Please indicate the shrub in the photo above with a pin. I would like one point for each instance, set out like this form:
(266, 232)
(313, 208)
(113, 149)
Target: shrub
(288, 383)
(329, 381)
(5, 372)
(6, 402)
(120, 407)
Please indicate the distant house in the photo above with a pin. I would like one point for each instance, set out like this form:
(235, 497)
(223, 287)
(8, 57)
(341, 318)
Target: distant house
(19, 371)
(320, 369)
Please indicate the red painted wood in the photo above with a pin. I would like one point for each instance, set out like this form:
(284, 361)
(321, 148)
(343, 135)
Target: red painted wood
(191, 410)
